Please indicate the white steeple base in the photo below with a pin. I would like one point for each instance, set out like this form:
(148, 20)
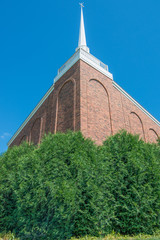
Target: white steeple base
(85, 48)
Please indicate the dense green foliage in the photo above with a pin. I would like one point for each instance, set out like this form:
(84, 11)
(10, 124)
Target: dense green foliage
(68, 186)
(112, 236)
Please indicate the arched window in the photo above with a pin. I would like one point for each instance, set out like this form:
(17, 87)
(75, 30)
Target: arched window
(136, 125)
(99, 124)
(24, 138)
(153, 136)
(66, 107)
(35, 131)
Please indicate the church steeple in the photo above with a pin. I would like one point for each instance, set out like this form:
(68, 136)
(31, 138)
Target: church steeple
(82, 36)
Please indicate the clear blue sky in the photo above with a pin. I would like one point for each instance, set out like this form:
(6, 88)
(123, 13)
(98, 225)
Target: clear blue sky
(37, 37)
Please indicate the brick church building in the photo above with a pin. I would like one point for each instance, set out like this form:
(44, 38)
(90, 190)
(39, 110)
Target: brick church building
(85, 97)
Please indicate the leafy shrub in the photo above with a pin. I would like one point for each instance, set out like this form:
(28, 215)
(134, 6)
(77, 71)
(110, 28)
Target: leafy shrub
(68, 186)
(8, 236)
(10, 179)
(135, 184)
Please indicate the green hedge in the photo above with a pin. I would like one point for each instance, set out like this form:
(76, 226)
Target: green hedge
(68, 186)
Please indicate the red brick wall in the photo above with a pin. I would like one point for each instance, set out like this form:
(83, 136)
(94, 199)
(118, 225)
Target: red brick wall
(98, 111)
(59, 112)
(85, 99)
(24, 138)
(65, 106)
(36, 130)
(105, 110)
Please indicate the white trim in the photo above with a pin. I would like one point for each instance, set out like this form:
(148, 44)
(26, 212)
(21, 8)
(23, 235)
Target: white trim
(30, 115)
(95, 63)
(136, 103)
(67, 65)
(86, 57)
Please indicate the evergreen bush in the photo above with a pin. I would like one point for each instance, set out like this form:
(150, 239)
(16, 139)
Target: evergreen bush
(68, 186)
(135, 183)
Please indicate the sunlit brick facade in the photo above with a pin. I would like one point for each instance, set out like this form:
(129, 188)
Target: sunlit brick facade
(85, 98)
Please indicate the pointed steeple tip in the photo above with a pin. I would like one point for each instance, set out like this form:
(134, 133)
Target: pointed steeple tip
(81, 4)
(82, 36)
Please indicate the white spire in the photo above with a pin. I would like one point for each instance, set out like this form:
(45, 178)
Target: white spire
(82, 35)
